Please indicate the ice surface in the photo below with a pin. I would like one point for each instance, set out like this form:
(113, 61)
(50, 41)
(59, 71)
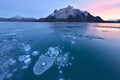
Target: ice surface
(2, 76)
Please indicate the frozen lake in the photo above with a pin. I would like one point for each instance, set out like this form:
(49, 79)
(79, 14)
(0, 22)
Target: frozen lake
(59, 51)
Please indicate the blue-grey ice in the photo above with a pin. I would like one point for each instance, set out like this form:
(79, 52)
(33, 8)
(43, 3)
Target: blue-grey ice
(3, 75)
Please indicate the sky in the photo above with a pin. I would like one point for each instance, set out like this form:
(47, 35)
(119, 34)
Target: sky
(107, 9)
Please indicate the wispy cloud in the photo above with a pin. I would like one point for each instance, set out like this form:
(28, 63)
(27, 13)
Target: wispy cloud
(107, 9)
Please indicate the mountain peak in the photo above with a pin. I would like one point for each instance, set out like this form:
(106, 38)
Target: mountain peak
(69, 7)
(64, 13)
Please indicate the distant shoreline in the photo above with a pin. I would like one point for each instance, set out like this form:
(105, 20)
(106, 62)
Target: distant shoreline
(61, 22)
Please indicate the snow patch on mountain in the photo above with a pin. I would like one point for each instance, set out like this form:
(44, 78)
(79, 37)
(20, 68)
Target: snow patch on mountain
(64, 13)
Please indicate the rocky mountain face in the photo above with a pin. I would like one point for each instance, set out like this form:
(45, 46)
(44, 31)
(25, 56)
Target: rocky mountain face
(70, 14)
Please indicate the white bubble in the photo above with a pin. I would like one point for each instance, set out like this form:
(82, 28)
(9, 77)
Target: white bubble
(27, 47)
(25, 67)
(73, 42)
(14, 70)
(70, 64)
(60, 71)
(27, 61)
(35, 53)
(74, 37)
(43, 64)
(21, 58)
(60, 79)
(72, 58)
(27, 56)
(15, 40)
(12, 62)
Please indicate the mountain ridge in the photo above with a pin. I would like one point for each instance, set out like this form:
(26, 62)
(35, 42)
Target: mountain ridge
(18, 19)
(70, 14)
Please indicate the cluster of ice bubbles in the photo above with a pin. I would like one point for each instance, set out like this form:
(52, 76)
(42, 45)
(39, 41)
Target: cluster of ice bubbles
(14, 55)
(73, 37)
(54, 56)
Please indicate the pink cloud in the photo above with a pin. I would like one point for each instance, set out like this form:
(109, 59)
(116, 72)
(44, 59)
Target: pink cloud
(107, 9)
(102, 5)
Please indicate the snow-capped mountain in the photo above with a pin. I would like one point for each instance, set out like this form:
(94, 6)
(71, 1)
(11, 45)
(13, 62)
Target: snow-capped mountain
(70, 14)
(66, 12)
